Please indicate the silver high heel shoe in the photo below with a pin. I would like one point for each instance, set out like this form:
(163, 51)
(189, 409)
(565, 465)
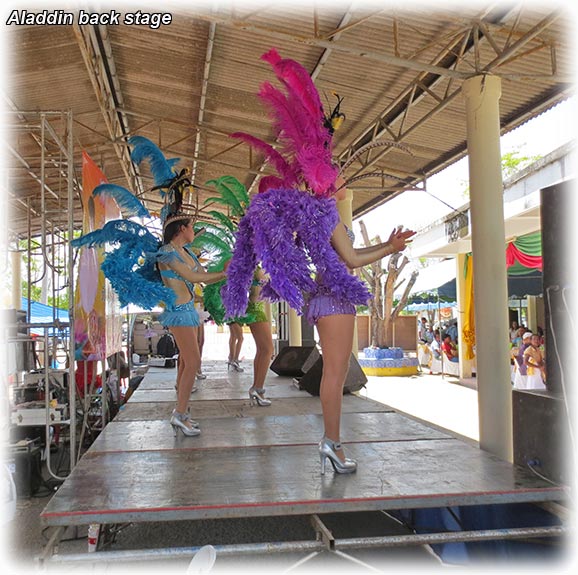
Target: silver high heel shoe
(193, 389)
(327, 449)
(234, 365)
(258, 396)
(178, 421)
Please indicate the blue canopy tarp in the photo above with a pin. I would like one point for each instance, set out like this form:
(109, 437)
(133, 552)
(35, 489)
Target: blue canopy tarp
(41, 313)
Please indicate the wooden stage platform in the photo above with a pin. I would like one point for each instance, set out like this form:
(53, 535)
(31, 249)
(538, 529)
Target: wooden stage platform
(252, 461)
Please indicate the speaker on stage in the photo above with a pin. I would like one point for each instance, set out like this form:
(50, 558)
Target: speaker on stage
(311, 381)
(294, 361)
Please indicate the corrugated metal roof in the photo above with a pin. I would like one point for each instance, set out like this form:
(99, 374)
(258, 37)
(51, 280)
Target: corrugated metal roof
(400, 73)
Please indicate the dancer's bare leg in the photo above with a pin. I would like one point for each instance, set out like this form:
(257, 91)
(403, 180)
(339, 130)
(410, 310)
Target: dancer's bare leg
(261, 332)
(201, 338)
(189, 362)
(201, 341)
(180, 367)
(235, 341)
(336, 339)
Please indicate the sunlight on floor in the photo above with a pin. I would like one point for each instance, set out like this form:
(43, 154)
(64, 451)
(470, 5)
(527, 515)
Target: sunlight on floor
(430, 398)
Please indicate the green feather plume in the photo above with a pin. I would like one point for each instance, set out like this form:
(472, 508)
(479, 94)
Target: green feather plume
(232, 194)
(223, 220)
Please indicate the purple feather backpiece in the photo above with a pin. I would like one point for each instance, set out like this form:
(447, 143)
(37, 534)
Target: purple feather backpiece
(287, 229)
(289, 232)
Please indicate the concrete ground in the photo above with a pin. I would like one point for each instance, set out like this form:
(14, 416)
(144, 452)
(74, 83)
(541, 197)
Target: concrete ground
(440, 402)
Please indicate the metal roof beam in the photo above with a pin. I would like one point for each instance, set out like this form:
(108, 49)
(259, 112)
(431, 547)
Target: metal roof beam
(330, 45)
(96, 52)
(201, 115)
(398, 109)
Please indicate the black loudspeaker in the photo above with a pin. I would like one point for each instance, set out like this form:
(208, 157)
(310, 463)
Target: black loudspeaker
(311, 381)
(294, 361)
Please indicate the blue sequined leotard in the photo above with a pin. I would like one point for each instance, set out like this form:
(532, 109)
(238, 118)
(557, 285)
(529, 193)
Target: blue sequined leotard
(183, 314)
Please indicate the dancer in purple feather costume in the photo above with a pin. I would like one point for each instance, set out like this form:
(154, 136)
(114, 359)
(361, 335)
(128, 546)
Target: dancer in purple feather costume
(292, 229)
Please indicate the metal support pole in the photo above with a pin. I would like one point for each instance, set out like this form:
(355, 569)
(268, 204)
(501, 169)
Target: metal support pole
(188, 552)
(323, 533)
(71, 286)
(451, 537)
(313, 546)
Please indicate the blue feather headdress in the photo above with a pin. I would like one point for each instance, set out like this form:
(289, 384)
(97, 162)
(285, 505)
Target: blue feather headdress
(170, 183)
(129, 263)
(129, 204)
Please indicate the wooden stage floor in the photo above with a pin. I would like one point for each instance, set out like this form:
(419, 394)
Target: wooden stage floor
(263, 461)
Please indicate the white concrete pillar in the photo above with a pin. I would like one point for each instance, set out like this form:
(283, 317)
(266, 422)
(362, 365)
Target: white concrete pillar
(465, 364)
(16, 258)
(295, 337)
(345, 209)
(482, 94)
(532, 314)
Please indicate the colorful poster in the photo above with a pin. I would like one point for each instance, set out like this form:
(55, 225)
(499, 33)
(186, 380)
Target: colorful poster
(97, 322)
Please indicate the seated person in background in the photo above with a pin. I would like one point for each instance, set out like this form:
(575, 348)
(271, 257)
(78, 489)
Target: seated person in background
(436, 346)
(535, 364)
(421, 330)
(452, 331)
(449, 348)
(112, 362)
(520, 365)
(133, 381)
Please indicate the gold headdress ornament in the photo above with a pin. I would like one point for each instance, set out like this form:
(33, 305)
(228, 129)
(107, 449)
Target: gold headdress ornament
(335, 118)
(179, 216)
(174, 198)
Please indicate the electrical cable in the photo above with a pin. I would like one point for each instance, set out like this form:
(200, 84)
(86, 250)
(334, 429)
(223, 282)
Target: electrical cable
(558, 358)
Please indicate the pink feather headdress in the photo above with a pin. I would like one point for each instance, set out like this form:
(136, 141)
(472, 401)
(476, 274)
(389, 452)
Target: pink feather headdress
(305, 154)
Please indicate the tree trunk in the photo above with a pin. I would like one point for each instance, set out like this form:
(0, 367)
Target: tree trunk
(373, 278)
(381, 306)
(388, 289)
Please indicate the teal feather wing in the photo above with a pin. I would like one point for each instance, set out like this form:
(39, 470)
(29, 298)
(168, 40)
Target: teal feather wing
(129, 204)
(161, 168)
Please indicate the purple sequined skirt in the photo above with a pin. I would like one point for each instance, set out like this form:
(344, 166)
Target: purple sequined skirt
(322, 305)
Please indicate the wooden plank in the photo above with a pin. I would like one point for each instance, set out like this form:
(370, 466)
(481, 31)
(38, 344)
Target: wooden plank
(260, 432)
(285, 480)
(146, 411)
(217, 389)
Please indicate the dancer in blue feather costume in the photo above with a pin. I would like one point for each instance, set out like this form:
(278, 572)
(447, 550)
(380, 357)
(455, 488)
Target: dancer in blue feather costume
(148, 272)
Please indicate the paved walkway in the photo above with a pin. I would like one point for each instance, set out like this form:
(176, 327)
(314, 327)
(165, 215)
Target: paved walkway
(440, 401)
(433, 399)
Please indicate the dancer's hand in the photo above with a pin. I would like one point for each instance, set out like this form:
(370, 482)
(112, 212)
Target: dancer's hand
(399, 237)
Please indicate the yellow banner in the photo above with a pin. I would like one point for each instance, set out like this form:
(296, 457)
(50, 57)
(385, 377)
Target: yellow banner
(469, 328)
